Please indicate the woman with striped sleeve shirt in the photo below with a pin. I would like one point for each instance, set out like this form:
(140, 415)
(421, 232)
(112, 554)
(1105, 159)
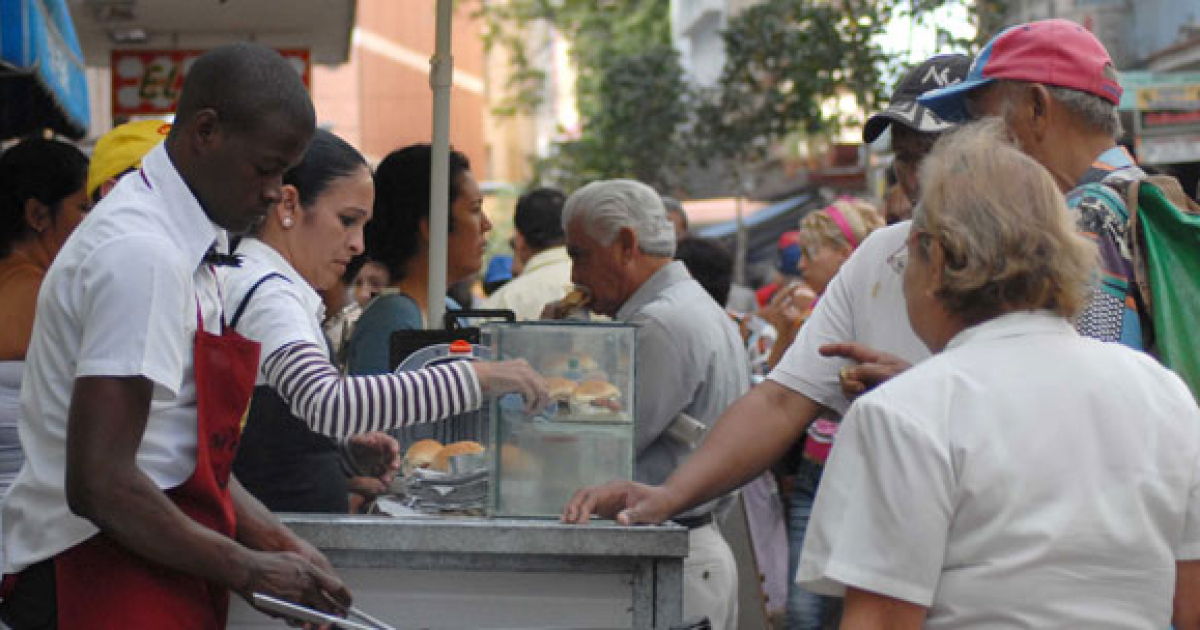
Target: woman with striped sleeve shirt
(289, 457)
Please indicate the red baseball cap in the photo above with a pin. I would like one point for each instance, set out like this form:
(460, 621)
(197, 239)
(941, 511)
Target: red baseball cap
(1052, 52)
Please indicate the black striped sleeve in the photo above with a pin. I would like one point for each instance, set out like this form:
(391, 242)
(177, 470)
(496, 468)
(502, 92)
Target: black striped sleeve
(338, 406)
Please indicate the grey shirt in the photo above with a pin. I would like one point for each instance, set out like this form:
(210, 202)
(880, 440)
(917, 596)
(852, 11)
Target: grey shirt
(690, 359)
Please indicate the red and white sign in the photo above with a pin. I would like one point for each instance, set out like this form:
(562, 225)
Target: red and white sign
(148, 82)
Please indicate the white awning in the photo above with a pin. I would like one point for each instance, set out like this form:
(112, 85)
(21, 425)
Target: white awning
(321, 26)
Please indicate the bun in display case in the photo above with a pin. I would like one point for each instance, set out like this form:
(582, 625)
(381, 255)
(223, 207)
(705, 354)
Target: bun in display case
(585, 436)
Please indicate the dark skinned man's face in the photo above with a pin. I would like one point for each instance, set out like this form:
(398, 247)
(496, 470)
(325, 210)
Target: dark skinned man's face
(910, 148)
(240, 177)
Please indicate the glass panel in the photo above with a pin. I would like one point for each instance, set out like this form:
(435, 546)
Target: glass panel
(585, 436)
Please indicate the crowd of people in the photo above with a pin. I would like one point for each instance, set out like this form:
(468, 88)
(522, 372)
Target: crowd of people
(958, 409)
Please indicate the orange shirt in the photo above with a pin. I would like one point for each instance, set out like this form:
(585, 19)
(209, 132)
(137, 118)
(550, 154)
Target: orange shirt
(21, 274)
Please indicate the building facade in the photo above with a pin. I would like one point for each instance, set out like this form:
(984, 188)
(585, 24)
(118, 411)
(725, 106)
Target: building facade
(1132, 30)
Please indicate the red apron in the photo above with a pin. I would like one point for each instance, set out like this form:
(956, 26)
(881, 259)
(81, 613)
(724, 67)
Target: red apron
(100, 585)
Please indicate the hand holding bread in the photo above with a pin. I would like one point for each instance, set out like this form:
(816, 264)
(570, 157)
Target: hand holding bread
(577, 298)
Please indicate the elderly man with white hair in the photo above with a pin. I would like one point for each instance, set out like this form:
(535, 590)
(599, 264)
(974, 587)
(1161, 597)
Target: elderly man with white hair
(690, 357)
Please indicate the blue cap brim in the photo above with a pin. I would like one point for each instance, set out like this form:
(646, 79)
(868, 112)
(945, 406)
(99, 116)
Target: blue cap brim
(950, 102)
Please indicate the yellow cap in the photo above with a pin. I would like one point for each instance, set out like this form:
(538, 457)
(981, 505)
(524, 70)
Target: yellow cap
(122, 149)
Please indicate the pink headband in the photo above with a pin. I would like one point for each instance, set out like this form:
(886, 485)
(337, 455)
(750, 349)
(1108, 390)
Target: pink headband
(833, 213)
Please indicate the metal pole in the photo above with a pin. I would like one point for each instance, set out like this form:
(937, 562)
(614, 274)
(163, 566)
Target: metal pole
(740, 245)
(440, 80)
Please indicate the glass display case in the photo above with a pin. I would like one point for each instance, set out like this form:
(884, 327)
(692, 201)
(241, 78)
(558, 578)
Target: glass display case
(584, 437)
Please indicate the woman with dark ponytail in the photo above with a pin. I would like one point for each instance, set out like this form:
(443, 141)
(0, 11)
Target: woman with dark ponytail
(41, 201)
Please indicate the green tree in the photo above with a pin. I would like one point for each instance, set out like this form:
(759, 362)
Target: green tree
(630, 91)
(598, 30)
(637, 130)
(785, 59)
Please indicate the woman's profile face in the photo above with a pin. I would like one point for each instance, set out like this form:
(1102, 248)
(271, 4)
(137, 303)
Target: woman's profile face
(372, 279)
(71, 211)
(468, 239)
(329, 232)
(820, 261)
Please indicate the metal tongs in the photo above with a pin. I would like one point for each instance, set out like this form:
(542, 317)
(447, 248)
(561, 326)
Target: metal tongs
(306, 614)
(373, 623)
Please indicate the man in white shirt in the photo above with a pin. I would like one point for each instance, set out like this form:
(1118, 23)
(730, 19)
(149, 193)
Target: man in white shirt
(126, 495)
(538, 246)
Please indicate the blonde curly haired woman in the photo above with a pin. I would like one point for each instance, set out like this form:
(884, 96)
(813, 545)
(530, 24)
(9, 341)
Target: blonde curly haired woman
(827, 238)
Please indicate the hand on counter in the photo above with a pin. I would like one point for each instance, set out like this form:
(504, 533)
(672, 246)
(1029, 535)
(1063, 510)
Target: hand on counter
(503, 377)
(627, 502)
(873, 367)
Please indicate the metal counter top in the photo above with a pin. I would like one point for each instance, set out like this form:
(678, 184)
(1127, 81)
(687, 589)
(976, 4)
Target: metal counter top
(458, 534)
(474, 572)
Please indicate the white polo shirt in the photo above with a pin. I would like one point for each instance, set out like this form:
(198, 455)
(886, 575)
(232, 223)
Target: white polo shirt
(120, 299)
(865, 303)
(1026, 477)
(281, 311)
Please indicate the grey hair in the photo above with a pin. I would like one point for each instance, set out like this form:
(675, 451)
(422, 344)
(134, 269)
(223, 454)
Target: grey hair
(608, 205)
(1096, 113)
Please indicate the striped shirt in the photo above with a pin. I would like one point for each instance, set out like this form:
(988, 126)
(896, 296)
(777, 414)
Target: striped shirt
(337, 406)
(284, 315)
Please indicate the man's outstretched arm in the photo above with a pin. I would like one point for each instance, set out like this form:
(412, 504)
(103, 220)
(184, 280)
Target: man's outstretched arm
(751, 435)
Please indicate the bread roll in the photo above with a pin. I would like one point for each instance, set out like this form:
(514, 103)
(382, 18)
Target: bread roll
(441, 461)
(560, 388)
(576, 298)
(421, 453)
(596, 398)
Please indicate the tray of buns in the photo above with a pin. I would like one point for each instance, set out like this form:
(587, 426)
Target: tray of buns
(439, 479)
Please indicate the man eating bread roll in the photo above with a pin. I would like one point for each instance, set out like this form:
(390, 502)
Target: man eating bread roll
(621, 246)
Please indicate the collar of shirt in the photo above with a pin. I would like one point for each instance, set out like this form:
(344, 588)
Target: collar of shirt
(1115, 158)
(546, 258)
(268, 257)
(1014, 324)
(669, 275)
(188, 225)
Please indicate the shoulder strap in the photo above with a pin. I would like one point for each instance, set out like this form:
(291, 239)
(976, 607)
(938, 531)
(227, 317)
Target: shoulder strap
(1170, 188)
(237, 315)
(1172, 191)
